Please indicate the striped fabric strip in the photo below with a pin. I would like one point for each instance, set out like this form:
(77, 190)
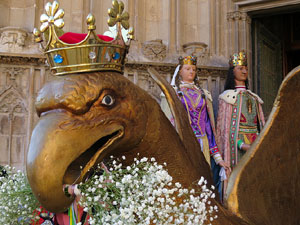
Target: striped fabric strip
(72, 215)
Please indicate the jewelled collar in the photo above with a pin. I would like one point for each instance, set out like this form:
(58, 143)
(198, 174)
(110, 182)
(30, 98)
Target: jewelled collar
(188, 85)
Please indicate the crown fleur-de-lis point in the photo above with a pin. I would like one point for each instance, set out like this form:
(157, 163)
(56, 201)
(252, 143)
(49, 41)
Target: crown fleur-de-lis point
(116, 15)
(37, 35)
(52, 17)
(90, 20)
(130, 34)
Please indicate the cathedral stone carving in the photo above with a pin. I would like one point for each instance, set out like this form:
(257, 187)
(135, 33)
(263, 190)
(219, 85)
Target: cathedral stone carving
(238, 15)
(154, 50)
(11, 101)
(12, 39)
(12, 74)
(198, 49)
(15, 110)
(17, 41)
(13, 118)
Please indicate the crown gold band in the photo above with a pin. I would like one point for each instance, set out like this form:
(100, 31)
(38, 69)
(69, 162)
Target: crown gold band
(90, 54)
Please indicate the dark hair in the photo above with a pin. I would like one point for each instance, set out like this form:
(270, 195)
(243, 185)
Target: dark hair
(177, 79)
(230, 84)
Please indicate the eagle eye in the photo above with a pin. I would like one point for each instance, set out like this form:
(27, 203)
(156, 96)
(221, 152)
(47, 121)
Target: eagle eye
(108, 100)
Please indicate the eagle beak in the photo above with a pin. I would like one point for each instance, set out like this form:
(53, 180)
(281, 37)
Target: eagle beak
(61, 155)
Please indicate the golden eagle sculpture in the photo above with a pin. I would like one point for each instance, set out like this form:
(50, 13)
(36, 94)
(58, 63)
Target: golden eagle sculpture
(86, 117)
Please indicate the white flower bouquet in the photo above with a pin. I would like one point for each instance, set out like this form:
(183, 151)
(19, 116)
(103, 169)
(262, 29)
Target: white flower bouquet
(17, 202)
(143, 193)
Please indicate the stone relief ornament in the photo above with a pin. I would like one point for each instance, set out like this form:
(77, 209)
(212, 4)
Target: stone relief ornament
(17, 40)
(13, 81)
(154, 50)
(12, 73)
(12, 38)
(11, 100)
(198, 49)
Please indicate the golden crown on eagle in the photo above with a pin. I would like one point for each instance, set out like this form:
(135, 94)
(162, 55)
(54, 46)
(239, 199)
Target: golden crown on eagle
(76, 53)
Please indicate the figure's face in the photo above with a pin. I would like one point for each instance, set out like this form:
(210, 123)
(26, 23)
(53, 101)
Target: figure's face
(188, 73)
(240, 73)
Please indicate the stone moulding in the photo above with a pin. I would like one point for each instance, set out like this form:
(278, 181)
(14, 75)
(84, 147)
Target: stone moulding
(164, 68)
(169, 68)
(36, 60)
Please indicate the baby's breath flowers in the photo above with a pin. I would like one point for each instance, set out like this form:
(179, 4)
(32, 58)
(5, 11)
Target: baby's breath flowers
(17, 202)
(144, 193)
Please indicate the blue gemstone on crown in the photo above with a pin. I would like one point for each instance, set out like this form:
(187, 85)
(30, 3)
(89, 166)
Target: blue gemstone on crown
(58, 58)
(116, 55)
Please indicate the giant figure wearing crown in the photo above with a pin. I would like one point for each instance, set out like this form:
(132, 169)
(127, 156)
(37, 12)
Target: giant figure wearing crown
(90, 111)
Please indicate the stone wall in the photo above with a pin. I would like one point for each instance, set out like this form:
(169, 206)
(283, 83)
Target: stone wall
(20, 80)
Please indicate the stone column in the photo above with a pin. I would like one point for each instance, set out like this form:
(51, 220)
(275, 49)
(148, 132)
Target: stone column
(31, 110)
(239, 36)
(212, 44)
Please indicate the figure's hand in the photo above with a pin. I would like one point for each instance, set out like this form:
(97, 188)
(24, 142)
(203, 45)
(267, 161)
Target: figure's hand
(245, 147)
(226, 167)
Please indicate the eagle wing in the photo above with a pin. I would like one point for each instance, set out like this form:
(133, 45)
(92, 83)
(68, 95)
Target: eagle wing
(264, 186)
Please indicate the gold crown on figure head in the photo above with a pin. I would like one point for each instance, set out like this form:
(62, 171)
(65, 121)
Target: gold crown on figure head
(92, 52)
(238, 59)
(188, 60)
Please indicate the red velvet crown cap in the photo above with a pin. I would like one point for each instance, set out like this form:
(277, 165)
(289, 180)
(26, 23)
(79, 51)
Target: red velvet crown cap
(73, 38)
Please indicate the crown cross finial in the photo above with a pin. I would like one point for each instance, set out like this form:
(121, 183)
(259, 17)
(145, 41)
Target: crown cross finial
(90, 20)
(53, 16)
(116, 15)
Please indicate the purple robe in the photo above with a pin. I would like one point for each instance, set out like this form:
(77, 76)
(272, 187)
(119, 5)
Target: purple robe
(195, 104)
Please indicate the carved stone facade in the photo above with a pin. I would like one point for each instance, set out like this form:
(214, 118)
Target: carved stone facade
(12, 39)
(164, 30)
(154, 50)
(20, 79)
(17, 41)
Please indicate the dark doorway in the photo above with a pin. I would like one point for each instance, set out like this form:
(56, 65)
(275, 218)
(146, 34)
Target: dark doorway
(292, 42)
(276, 51)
